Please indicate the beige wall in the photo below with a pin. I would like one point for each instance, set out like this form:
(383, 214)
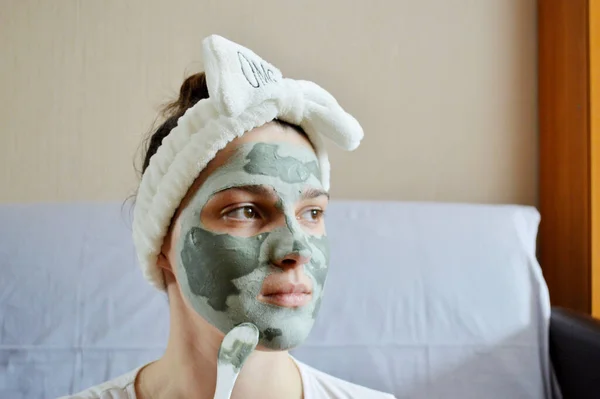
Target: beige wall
(445, 89)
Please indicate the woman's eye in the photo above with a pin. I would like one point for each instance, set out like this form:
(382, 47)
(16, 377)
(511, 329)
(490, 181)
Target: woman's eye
(312, 215)
(242, 213)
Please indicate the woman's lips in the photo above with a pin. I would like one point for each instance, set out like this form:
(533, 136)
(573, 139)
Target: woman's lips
(293, 300)
(287, 295)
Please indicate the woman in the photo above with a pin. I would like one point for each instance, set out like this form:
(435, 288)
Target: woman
(229, 222)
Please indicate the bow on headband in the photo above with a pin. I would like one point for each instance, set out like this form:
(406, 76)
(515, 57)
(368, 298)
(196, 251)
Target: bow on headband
(238, 79)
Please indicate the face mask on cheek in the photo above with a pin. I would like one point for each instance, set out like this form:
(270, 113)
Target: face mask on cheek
(222, 275)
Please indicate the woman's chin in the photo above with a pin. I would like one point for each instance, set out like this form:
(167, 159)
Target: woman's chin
(262, 348)
(274, 347)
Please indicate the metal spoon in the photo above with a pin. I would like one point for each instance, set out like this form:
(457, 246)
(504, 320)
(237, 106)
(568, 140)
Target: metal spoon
(236, 347)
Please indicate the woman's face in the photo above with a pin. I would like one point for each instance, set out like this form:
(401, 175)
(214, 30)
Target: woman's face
(249, 244)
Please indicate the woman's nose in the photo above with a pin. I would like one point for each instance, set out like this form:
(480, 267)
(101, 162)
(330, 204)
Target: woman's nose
(289, 247)
(293, 259)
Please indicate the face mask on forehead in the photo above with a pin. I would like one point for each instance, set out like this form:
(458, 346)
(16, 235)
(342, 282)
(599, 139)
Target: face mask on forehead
(222, 275)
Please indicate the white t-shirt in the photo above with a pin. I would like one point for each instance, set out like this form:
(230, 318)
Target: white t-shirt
(316, 385)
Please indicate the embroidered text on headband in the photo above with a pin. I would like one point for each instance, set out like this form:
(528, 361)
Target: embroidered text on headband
(245, 92)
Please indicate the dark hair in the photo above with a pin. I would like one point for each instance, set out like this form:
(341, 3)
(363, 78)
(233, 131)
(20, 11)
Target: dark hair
(192, 90)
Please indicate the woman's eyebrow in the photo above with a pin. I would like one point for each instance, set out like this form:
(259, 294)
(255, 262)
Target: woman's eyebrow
(307, 194)
(314, 193)
(253, 189)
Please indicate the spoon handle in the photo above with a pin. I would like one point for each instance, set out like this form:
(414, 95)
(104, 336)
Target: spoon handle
(236, 347)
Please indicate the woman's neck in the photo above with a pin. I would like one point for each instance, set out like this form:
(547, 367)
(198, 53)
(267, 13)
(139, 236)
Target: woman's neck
(188, 368)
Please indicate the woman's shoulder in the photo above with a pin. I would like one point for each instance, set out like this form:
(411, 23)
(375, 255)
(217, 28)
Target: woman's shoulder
(319, 385)
(122, 387)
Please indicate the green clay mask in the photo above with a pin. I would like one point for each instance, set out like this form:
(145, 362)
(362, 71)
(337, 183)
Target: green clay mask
(221, 275)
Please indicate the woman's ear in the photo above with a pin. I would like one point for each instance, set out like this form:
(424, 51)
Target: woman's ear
(166, 250)
(163, 263)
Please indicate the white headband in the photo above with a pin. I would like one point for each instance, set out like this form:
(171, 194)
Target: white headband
(244, 92)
